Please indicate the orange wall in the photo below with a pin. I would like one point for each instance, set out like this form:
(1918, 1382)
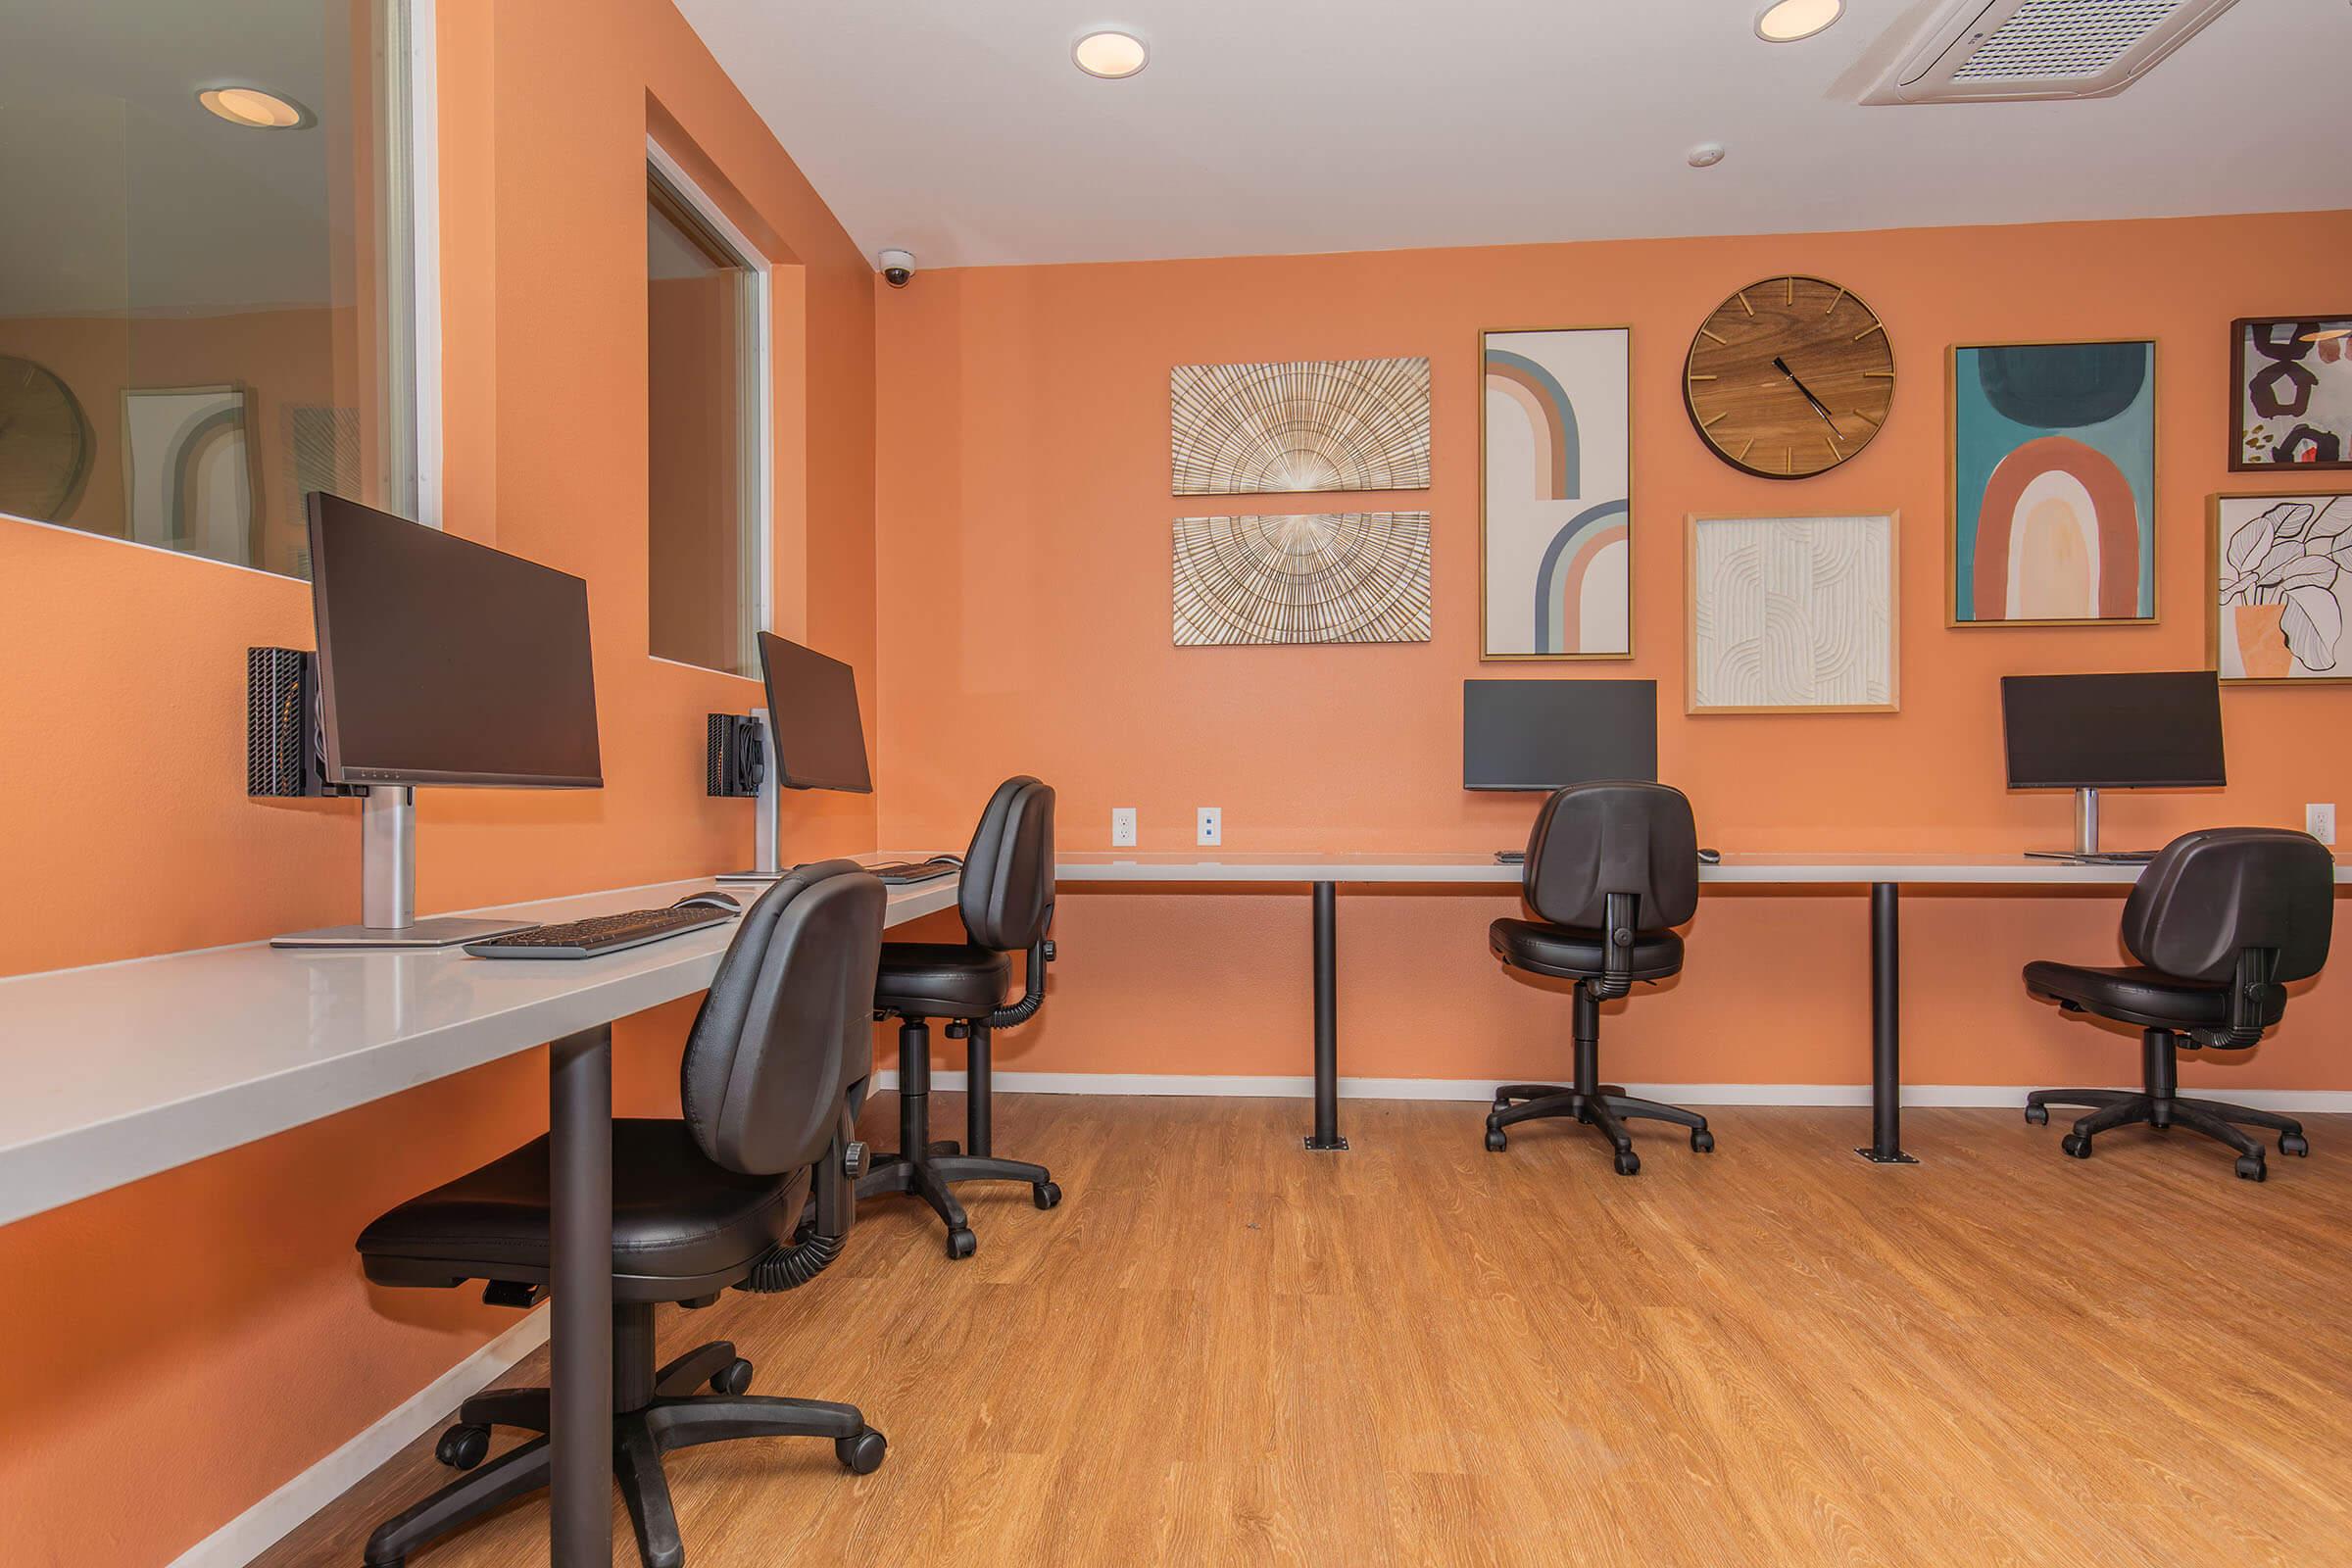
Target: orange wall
(185, 1345)
(1024, 485)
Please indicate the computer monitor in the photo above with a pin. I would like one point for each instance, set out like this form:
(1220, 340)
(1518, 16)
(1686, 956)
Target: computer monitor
(2140, 730)
(1544, 734)
(444, 661)
(812, 711)
(440, 661)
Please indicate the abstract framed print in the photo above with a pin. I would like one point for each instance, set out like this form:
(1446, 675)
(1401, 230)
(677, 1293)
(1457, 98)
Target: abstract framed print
(2052, 454)
(2293, 392)
(2278, 586)
(1555, 547)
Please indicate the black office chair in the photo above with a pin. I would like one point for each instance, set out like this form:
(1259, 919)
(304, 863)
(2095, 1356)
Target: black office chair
(2219, 923)
(1006, 901)
(714, 1200)
(1611, 868)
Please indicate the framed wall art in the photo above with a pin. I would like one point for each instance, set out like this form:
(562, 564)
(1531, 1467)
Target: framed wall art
(1556, 549)
(1306, 424)
(1321, 577)
(2053, 466)
(1793, 615)
(2278, 584)
(2293, 392)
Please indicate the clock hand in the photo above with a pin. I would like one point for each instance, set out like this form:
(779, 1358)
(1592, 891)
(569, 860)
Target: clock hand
(1781, 365)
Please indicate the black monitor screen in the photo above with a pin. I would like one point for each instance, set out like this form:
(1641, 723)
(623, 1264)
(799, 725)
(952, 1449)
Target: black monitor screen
(2136, 731)
(813, 699)
(1544, 734)
(444, 661)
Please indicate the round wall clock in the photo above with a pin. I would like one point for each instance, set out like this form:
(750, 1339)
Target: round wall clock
(1789, 378)
(45, 442)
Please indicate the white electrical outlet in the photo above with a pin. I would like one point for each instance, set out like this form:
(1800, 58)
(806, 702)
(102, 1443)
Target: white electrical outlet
(2318, 820)
(1211, 826)
(1122, 827)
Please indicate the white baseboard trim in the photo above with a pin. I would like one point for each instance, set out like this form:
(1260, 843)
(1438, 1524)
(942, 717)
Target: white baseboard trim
(268, 1521)
(1278, 1087)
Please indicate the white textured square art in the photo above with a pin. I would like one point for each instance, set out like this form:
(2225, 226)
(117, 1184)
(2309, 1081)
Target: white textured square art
(1793, 615)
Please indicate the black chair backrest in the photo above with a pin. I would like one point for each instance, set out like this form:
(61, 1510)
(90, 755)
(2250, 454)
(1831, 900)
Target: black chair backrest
(1593, 840)
(787, 1028)
(2214, 893)
(1007, 894)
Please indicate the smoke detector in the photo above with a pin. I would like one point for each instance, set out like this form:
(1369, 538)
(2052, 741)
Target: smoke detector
(1983, 51)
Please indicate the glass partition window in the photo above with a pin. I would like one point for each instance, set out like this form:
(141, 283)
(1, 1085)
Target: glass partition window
(705, 411)
(207, 282)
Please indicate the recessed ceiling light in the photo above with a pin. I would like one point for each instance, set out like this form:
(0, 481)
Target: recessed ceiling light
(255, 109)
(1110, 55)
(1707, 155)
(1788, 21)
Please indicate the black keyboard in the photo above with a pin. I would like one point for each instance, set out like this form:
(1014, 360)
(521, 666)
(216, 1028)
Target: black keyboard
(599, 934)
(898, 873)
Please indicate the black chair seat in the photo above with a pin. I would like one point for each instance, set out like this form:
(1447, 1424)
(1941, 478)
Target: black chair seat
(1575, 955)
(678, 1217)
(942, 979)
(2131, 994)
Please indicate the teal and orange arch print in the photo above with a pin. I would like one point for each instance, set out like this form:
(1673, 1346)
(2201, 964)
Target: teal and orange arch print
(2053, 483)
(1556, 546)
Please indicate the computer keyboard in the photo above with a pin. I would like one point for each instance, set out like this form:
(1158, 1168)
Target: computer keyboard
(598, 934)
(898, 873)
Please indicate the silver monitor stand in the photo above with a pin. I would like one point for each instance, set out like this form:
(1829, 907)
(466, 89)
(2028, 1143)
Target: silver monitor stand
(388, 887)
(2086, 829)
(768, 813)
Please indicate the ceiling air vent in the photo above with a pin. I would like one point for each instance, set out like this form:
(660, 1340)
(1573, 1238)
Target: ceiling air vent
(1981, 51)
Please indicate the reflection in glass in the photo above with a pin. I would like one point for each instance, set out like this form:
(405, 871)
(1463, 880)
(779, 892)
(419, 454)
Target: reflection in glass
(201, 319)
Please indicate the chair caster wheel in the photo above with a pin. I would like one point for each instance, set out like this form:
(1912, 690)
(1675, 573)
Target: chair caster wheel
(1497, 1139)
(2038, 1115)
(961, 1244)
(862, 1456)
(1045, 1195)
(2075, 1145)
(1702, 1142)
(2293, 1144)
(1629, 1163)
(461, 1448)
(733, 1377)
(2250, 1169)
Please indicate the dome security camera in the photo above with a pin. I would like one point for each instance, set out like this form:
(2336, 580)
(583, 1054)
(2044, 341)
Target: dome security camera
(898, 267)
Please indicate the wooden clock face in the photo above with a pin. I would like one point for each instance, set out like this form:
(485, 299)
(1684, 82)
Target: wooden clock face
(1789, 378)
(45, 442)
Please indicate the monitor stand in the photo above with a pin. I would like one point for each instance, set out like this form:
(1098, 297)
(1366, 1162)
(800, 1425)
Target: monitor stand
(767, 815)
(2086, 848)
(388, 888)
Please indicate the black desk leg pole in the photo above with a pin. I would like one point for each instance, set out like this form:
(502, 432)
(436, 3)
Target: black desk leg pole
(1885, 1028)
(1327, 1019)
(579, 1082)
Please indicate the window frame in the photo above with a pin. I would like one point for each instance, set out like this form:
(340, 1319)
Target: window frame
(755, 486)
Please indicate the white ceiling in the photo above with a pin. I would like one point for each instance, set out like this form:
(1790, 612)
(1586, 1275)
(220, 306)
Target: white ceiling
(963, 131)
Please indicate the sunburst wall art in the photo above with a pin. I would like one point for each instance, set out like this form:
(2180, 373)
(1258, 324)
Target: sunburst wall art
(1329, 578)
(1309, 425)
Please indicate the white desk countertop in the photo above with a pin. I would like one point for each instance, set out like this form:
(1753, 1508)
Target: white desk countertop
(119, 1070)
(1469, 868)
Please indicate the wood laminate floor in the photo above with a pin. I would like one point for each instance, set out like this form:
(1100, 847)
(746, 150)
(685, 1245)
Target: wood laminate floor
(1223, 1349)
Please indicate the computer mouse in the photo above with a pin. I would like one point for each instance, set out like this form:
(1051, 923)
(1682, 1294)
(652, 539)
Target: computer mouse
(713, 900)
(1710, 857)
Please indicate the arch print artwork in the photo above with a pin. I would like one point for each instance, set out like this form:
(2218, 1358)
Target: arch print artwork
(2053, 462)
(1555, 547)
